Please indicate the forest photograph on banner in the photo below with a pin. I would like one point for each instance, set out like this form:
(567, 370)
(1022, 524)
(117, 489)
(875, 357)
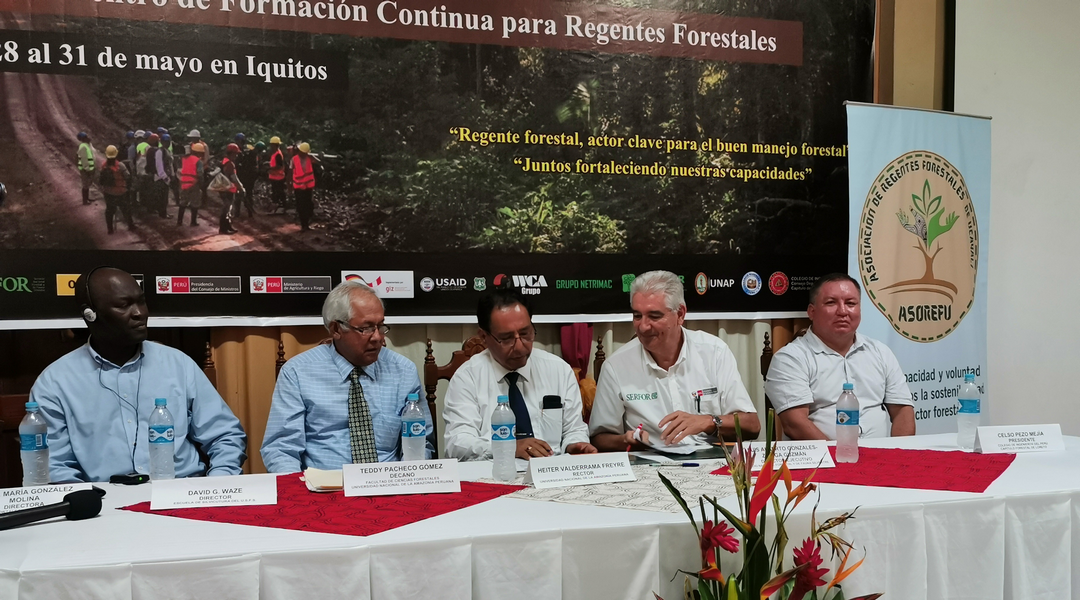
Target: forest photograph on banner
(432, 151)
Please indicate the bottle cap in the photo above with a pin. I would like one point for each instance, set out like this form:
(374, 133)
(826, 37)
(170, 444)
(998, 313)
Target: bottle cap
(31, 405)
(504, 399)
(848, 387)
(969, 377)
(414, 397)
(161, 402)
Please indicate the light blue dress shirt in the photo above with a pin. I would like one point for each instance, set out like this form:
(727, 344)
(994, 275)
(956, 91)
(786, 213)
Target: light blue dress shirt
(98, 415)
(308, 424)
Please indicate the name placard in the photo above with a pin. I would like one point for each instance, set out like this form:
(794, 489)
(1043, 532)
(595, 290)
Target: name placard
(1014, 439)
(813, 454)
(39, 495)
(235, 490)
(404, 477)
(579, 469)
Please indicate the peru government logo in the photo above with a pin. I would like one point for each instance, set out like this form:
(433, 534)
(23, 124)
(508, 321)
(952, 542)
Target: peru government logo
(919, 246)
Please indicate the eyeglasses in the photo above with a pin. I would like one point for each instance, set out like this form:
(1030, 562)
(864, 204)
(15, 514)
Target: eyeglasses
(383, 328)
(508, 342)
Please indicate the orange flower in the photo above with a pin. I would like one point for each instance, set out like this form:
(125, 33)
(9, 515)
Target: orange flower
(763, 488)
(809, 578)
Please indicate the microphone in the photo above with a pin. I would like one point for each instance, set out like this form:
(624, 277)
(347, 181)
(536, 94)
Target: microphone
(83, 504)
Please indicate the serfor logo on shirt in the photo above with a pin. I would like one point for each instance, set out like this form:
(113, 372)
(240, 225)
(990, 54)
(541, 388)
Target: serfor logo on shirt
(387, 284)
(637, 396)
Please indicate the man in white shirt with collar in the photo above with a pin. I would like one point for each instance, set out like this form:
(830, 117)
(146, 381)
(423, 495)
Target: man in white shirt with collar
(543, 391)
(681, 386)
(806, 376)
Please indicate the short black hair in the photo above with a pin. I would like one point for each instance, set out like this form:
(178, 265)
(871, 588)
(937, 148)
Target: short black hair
(831, 277)
(496, 300)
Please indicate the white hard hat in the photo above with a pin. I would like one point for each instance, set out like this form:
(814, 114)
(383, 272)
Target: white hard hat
(194, 133)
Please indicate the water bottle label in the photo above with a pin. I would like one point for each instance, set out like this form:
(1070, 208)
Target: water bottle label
(161, 434)
(29, 442)
(847, 417)
(413, 429)
(502, 433)
(969, 406)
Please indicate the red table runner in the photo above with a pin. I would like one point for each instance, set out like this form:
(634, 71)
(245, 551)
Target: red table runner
(915, 469)
(303, 510)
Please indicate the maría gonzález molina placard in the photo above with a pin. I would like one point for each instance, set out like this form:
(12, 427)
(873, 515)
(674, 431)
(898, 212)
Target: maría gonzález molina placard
(918, 248)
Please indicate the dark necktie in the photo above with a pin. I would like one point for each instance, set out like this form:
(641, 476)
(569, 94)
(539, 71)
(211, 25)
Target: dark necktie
(361, 433)
(517, 404)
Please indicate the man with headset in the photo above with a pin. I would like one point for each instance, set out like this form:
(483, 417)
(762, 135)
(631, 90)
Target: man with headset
(97, 399)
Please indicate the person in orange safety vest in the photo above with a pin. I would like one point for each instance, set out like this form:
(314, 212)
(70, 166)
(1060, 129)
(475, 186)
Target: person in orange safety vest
(303, 182)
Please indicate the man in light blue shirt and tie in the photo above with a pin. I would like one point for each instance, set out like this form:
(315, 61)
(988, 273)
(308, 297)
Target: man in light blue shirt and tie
(97, 399)
(341, 403)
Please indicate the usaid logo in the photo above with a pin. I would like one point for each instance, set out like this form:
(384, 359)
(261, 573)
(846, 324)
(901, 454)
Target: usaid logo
(447, 282)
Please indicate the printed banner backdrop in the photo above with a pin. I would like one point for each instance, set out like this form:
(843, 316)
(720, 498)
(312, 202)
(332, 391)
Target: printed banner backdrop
(920, 215)
(559, 148)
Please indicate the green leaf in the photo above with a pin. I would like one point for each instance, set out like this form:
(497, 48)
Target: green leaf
(704, 591)
(682, 502)
(781, 535)
(744, 528)
(509, 212)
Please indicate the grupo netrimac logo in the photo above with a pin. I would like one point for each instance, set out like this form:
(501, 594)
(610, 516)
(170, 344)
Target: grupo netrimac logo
(919, 246)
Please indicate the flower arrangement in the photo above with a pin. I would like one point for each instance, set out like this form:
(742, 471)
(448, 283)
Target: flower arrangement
(762, 575)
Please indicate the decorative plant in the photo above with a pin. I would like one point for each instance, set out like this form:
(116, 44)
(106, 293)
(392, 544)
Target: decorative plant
(762, 575)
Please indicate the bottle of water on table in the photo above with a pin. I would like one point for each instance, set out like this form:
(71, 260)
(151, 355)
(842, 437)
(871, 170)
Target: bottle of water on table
(33, 440)
(967, 421)
(503, 441)
(413, 430)
(161, 434)
(847, 426)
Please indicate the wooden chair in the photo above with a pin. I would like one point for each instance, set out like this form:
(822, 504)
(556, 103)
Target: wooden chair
(433, 373)
(598, 359)
(208, 366)
(766, 360)
(280, 362)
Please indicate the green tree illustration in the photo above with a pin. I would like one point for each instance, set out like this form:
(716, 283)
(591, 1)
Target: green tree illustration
(925, 224)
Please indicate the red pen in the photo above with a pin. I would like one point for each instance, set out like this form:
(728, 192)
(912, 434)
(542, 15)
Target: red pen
(637, 436)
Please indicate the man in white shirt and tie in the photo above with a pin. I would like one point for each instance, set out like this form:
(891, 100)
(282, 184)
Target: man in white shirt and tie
(806, 376)
(543, 391)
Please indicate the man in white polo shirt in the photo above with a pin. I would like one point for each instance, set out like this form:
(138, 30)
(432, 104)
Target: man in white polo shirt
(806, 376)
(543, 391)
(682, 387)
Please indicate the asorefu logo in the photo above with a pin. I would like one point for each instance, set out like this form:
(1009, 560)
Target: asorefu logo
(918, 246)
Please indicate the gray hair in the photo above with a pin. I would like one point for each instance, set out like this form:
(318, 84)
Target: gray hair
(660, 282)
(338, 303)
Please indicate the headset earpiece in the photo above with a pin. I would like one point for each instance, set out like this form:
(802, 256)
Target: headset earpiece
(88, 314)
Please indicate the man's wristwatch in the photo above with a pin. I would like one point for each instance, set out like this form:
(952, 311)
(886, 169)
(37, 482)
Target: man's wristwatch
(719, 423)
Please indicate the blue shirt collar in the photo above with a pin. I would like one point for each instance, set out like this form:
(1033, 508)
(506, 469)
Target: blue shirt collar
(345, 368)
(101, 360)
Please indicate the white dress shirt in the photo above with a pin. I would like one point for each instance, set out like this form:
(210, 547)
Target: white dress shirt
(806, 371)
(478, 383)
(634, 390)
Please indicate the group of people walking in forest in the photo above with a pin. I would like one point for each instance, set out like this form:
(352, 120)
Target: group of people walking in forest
(149, 167)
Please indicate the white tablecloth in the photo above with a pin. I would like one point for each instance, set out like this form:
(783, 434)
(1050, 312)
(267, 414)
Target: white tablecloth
(1018, 540)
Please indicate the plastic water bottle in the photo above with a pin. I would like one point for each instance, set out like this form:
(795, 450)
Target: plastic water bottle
(161, 434)
(847, 426)
(413, 430)
(503, 441)
(33, 440)
(967, 421)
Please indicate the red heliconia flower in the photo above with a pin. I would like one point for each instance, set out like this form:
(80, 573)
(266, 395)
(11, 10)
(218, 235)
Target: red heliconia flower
(717, 535)
(809, 578)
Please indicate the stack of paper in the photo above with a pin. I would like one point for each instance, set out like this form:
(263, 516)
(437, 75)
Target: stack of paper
(318, 480)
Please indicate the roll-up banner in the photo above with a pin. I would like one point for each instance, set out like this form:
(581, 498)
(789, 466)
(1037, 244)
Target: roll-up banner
(920, 218)
(451, 148)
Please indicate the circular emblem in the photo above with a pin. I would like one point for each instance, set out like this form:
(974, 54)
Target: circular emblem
(919, 246)
(778, 283)
(417, 429)
(751, 283)
(427, 284)
(701, 284)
